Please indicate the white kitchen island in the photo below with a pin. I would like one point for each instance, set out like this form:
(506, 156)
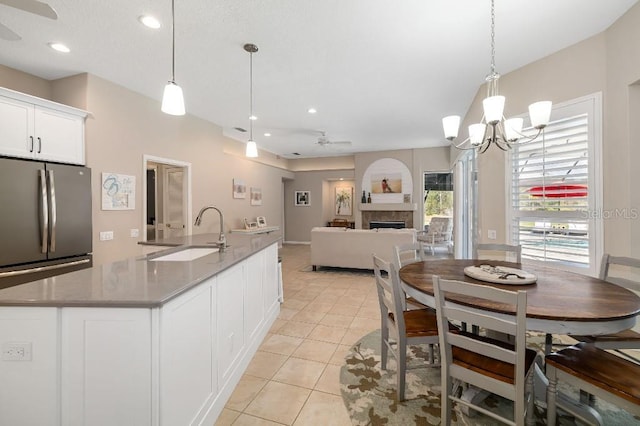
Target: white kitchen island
(140, 341)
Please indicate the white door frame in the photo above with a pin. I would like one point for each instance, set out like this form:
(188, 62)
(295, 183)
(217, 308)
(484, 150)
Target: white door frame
(187, 209)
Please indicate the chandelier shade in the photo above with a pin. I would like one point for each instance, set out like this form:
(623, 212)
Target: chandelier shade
(494, 128)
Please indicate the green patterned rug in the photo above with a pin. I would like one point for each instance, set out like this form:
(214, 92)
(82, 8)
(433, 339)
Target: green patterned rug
(369, 393)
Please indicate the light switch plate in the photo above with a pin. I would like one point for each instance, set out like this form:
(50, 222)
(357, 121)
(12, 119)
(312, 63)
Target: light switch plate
(492, 234)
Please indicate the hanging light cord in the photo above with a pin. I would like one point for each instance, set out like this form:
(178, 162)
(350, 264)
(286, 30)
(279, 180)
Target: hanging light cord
(493, 37)
(250, 95)
(173, 42)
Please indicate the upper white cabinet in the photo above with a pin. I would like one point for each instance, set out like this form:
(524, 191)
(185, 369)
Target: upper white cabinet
(35, 128)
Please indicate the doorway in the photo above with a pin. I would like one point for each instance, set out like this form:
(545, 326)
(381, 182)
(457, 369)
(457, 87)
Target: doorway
(167, 203)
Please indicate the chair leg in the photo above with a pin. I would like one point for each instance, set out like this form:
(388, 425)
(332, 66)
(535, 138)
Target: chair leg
(384, 341)
(530, 398)
(445, 402)
(401, 370)
(551, 397)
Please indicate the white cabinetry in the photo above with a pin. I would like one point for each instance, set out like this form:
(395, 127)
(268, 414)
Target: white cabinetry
(230, 321)
(35, 128)
(176, 364)
(105, 366)
(253, 295)
(188, 377)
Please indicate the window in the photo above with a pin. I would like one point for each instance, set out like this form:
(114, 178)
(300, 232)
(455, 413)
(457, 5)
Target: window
(438, 195)
(555, 184)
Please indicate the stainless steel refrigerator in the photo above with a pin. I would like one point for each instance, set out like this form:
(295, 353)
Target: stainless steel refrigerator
(45, 220)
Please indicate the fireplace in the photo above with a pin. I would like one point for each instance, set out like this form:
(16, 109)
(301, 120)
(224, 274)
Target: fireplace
(368, 216)
(397, 224)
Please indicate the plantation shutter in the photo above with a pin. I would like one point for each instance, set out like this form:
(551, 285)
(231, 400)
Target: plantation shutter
(550, 193)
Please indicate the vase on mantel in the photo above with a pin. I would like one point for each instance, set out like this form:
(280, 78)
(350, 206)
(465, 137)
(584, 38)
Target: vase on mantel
(369, 198)
(364, 198)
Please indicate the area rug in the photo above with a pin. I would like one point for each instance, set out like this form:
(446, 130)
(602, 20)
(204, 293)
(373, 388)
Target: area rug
(369, 393)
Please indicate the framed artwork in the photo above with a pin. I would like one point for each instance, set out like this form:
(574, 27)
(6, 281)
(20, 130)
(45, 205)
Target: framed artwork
(256, 196)
(262, 221)
(387, 183)
(239, 189)
(118, 192)
(344, 201)
(303, 198)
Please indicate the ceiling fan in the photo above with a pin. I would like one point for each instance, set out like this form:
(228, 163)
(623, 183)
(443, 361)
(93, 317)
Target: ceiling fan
(324, 141)
(30, 6)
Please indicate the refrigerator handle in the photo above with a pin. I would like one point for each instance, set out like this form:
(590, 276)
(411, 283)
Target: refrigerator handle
(44, 212)
(52, 193)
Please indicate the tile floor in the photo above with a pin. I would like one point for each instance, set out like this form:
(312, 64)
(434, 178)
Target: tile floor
(294, 377)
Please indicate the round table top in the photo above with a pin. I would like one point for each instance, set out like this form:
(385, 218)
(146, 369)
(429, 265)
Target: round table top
(557, 295)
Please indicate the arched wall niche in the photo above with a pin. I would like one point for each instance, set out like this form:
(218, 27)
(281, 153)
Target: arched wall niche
(388, 181)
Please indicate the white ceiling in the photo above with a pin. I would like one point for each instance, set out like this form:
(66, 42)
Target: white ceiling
(381, 74)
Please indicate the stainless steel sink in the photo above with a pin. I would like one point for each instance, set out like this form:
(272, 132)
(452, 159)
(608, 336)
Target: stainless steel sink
(186, 255)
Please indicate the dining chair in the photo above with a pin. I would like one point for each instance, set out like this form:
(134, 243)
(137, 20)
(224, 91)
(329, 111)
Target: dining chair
(627, 339)
(404, 254)
(595, 371)
(400, 327)
(489, 364)
(512, 253)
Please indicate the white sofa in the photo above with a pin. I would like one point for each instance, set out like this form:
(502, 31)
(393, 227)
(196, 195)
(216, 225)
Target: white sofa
(352, 248)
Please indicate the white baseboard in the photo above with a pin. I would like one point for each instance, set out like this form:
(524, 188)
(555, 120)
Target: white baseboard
(308, 243)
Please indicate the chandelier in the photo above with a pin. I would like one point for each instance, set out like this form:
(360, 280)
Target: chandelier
(493, 128)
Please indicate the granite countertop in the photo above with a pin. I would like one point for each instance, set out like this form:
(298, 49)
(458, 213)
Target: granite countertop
(138, 281)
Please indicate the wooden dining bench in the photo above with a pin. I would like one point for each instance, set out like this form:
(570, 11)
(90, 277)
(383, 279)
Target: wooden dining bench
(595, 371)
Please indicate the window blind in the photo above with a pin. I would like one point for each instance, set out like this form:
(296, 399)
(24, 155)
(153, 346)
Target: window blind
(550, 193)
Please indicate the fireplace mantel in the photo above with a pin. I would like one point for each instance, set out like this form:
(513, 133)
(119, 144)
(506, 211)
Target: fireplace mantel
(388, 207)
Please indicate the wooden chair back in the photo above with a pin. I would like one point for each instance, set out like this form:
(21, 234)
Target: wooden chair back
(408, 253)
(629, 267)
(512, 253)
(390, 296)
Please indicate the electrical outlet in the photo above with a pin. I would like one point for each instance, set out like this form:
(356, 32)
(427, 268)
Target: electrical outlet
(135, 233)
(106, 235)
(16, 351)
(492, 234)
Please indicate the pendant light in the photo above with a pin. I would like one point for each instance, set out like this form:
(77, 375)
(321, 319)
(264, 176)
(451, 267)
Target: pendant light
(172, 99)
(252, 148)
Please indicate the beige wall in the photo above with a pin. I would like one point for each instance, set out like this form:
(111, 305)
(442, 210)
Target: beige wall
(571, 73)
(301, 219)
(621, 140)
(25, 83)
(124, 126)
(607, 63)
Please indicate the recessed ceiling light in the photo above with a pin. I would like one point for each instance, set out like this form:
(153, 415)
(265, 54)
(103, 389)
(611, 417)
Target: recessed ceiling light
(312, 111)
(253, 117)
(267, 134)
(59, 47)
(149, 21)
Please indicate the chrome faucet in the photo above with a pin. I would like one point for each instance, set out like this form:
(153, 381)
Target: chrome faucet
(222, 241)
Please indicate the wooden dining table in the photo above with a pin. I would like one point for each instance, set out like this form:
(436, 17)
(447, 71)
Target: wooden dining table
(558, 302)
